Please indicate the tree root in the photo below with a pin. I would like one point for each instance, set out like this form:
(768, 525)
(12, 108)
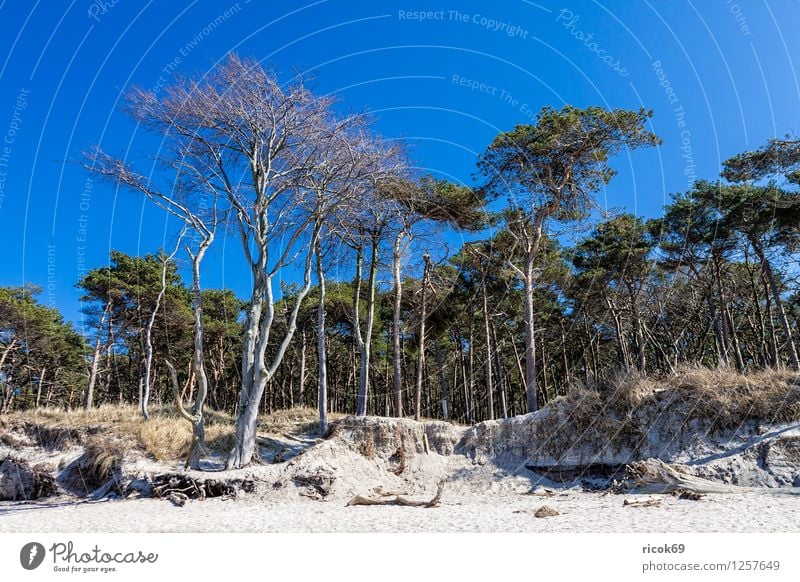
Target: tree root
(390, 499)
(179, 488)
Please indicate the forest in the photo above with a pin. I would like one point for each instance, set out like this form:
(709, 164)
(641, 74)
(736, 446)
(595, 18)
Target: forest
(383, 317)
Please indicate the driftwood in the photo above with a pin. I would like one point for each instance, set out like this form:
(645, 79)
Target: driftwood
(644, 503)
(656, 476)
(389, 498)
(540, 491)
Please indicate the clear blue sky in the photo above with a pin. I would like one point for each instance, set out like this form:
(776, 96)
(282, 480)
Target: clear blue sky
(720, 76)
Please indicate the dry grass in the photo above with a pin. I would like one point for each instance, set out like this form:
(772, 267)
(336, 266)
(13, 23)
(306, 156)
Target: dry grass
(120, 428)
(300, 420)
(622, 409)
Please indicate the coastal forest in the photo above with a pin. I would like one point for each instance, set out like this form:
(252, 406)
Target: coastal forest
(377, 289)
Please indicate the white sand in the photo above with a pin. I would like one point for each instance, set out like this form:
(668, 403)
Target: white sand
(579, 512)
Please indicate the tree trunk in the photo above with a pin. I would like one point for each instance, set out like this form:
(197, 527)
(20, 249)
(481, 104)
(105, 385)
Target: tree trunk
(421, 353)
(255, 372)
(442, 381)
(471, 370)
(530, 339)
(39, 386)
(198, 360)
(499, 363)
(89, 398)
(778, 301)
(364, 341)
(487, 364)
(397, 348)
(321, 352)
(148, 333)
(301, 388)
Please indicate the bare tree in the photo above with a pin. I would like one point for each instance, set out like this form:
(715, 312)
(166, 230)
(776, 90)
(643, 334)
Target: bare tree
(148, 330)
(258, 146)
(188, 202)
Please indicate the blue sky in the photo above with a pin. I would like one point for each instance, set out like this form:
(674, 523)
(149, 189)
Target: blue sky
(720, 76)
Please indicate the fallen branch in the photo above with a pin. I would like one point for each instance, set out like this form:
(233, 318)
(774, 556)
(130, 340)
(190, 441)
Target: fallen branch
(655, 476)
(399, 499)
(645, 503)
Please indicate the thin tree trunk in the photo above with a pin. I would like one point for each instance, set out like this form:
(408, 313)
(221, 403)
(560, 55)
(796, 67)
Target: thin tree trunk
(398, 354)
(530, 338)
(38, 385)
(421, 353)
(364, 341)
(499, 363)
(148, 332)
(445, 398)
(471, 367)
(301, 388)
(776, 296)
(198, 360)
(487, 365)
(321, 351)
(89, 398)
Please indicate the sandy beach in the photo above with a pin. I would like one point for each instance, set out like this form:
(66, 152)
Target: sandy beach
(578, 512)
